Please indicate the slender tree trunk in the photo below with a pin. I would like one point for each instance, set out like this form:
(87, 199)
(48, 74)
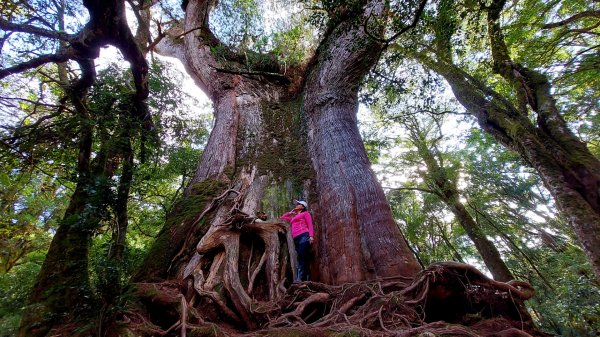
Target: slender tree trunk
(565, 174)
(110, 279)
(487, 250)
(442, 185)
(455, 252)
(62, 291)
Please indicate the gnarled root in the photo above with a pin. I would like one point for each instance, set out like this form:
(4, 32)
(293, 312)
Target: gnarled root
(447, 298)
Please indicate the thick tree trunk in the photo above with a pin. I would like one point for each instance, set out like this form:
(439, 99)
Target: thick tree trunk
(257, 158)
(357, 236)
(354, 217)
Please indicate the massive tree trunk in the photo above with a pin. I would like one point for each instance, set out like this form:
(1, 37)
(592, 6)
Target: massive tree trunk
(274, 141)
(255, 143)
(357, 237)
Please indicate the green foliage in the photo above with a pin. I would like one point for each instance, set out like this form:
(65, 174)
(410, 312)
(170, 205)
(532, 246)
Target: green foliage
(573, 288)
(263, 32)
(505, 197)
(14, 291)
(39, 173)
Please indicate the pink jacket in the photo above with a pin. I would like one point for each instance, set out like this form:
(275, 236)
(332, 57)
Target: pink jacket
(301, 223)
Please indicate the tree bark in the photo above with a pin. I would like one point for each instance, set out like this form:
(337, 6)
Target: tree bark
(487, 250)
(357, 237)
(354, 224)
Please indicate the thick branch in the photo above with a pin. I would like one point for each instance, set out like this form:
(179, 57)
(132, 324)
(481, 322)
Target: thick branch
(585, 14)
(36, 62)
(107, 25)
(24, 28)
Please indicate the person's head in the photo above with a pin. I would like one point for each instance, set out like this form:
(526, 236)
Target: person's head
(300, 205)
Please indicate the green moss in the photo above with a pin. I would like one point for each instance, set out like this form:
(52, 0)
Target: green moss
(282, 150)
(276, 200)
(188, 208)
(178, 225)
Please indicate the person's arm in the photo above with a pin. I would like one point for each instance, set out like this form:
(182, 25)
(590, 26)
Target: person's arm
(288, 216)
(309, 224)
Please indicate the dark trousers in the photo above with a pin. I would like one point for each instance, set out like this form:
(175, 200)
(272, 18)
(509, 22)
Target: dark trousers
(302, 244)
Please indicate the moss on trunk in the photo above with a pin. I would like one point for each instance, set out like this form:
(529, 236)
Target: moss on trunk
(180, 224)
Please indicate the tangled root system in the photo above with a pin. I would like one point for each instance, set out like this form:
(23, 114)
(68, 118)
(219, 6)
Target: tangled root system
(449, 299)
(235, 285)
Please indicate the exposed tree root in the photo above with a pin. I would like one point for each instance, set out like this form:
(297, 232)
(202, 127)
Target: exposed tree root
(236, 285)
(486, 308)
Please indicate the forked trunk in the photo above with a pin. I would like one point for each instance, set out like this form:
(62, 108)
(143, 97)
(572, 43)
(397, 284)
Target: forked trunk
(268, 146)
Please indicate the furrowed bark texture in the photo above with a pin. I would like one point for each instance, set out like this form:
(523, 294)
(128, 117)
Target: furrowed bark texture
(231, 159)
(358, 238)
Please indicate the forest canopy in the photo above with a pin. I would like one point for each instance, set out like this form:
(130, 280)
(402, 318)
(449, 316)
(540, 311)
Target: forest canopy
(448, 151)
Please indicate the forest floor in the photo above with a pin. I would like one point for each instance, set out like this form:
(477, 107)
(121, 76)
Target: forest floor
(446, 299)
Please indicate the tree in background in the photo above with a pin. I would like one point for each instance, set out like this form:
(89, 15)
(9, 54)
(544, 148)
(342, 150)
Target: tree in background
(504, 197)
(63, 115)
(516, 105)
(440, 177)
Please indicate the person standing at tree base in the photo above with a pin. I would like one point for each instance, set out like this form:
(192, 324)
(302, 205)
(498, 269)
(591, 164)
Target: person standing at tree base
(303, 234)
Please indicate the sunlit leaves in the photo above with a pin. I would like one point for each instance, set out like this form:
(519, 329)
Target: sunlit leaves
(278, 28)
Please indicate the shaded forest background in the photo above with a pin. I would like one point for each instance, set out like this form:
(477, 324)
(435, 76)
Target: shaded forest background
(452, 188)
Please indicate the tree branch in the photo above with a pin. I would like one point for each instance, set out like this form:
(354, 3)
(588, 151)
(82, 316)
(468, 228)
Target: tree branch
(412, 24)
(252, 72)
(413, 189)
(36, 62)
(24, 28)
(585, 14)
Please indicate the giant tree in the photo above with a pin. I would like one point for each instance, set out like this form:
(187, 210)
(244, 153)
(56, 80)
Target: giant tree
(279, 132)
(301, 127)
